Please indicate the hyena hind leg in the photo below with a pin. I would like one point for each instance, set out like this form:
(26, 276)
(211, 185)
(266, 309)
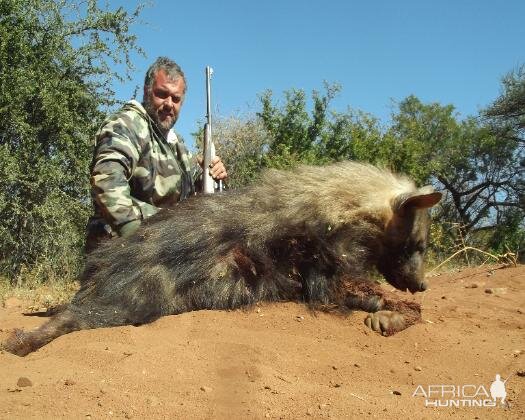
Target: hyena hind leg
(22, 342)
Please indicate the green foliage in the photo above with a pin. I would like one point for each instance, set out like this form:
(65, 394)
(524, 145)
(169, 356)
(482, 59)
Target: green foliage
(296, 135)
(419, 133)
(505, 118)
(352, 135)
(56, 61)
(509, 234)
(506, 115)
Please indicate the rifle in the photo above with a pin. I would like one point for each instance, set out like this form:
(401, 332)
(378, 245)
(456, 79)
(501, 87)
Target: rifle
(208, 184)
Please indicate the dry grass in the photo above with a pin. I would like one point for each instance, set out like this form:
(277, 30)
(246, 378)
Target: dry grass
(509, 259)
(38, 296)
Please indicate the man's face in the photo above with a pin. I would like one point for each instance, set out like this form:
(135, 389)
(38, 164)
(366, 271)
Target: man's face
(164, 100)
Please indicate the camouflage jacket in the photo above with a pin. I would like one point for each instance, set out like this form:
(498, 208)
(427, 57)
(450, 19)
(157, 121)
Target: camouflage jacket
(135, 170)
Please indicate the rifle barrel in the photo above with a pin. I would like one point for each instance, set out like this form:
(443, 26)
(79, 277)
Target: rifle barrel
(209, 72)
(208, 184)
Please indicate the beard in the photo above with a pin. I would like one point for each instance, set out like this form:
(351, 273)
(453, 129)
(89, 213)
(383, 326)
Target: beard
(161, 119)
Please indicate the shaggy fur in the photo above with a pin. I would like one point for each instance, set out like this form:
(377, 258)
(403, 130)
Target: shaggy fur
(312, 234)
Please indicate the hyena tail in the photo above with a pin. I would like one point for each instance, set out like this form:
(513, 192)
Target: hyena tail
(72, 318)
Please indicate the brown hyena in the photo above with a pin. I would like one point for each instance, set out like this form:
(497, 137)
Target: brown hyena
(312, 234)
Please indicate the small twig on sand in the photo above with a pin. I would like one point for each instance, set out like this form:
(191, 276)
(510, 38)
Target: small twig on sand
(357, 396)
(283, 379)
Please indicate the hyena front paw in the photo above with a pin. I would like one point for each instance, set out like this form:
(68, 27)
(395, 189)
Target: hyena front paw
(386, 322)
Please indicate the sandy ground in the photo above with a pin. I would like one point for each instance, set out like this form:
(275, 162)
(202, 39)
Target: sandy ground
(281, 361)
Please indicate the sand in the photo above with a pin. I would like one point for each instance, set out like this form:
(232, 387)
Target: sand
(282, 361)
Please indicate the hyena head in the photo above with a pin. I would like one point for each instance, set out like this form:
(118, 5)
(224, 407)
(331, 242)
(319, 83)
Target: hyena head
(405, 240)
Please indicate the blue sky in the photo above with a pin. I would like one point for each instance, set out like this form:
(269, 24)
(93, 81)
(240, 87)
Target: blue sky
(451, 52)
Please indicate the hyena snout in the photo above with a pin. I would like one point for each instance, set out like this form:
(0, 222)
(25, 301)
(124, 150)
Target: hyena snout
(413, 272)
(405, 274)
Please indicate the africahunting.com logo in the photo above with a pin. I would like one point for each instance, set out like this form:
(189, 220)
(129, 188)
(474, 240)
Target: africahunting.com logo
(469, 395)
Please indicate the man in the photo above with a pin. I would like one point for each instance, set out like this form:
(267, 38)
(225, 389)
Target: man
(139, 164)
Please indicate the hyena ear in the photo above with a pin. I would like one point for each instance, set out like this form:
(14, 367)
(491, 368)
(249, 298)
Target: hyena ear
(423, 198)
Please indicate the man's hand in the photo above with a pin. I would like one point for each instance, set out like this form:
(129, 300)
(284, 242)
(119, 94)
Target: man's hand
(128, 229)
(217, 168)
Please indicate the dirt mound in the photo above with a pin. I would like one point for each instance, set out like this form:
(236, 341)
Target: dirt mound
(281, 361)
